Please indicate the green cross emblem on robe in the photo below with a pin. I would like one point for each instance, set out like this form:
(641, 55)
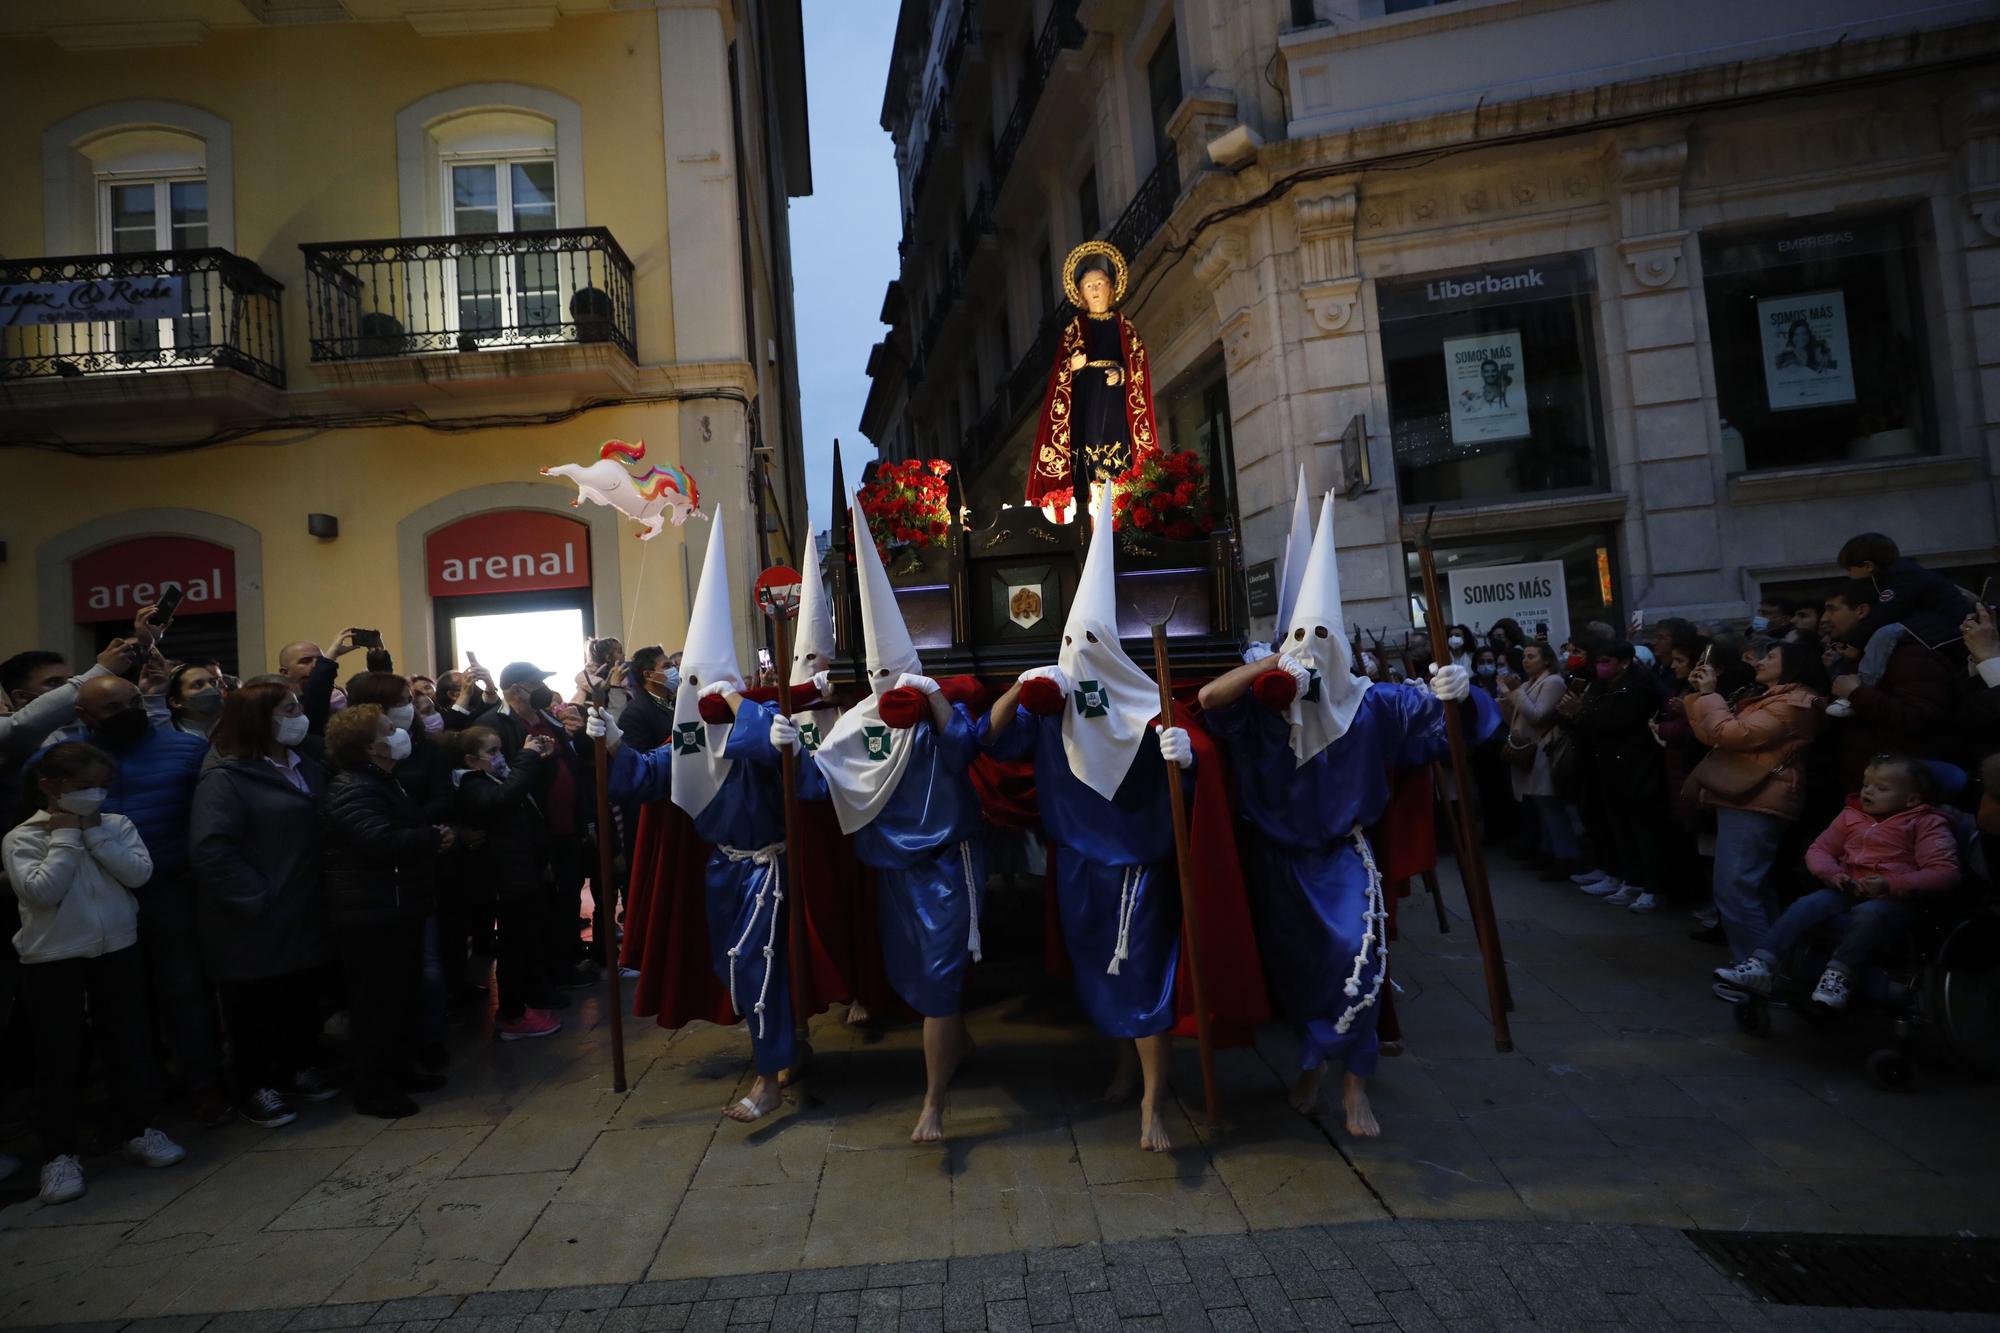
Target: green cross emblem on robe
(1091, 700)
(878, 742)
(690, 738)
(809, 736)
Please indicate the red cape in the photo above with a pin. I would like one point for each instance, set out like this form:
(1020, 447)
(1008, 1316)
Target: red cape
(1049, 467)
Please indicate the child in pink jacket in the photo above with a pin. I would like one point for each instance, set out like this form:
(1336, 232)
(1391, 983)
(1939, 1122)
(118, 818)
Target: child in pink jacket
(1883, 851)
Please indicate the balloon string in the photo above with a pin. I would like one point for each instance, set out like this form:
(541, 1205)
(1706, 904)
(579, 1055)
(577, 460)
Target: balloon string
(639, 591)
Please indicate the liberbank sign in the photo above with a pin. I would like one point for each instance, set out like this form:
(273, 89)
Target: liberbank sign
(1553, 278)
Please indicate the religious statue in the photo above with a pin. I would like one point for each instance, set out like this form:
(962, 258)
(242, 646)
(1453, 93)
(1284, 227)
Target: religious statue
(1097, 417)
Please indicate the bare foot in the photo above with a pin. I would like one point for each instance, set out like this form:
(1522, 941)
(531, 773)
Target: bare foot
(1153, 1131)
(801, 1062)
(763, 1099)
(930, 1125)
(1361, 1122)
(1125, 1079)
(857, 1014)
(1305, 1093)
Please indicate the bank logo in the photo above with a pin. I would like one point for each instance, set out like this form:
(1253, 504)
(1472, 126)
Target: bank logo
(1487, 284)
(878, 742)
(1091, 699)
(690, 738)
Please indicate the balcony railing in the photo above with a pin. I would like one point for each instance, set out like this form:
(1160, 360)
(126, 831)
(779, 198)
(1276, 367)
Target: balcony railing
(1150, 207)
(978, 223)
(1061, 32)
(161, 310)
(491, 292)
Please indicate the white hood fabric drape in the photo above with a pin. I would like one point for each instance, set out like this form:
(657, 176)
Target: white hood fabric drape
(708, 655)
(1316, 639)
(812, 636)
(863, 758)
(1298, 546)
(1112, 703)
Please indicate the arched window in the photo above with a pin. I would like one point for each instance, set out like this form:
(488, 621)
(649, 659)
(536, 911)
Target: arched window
(140, 175)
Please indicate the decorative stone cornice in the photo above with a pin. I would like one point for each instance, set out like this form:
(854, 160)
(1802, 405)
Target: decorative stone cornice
(1330, 277)
(1649, 210)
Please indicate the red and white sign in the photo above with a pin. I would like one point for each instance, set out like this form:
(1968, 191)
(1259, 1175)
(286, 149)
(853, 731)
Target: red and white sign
(116, 582)
(517, 550)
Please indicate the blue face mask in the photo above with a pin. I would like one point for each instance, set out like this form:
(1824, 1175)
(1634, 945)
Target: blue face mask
(1488, 669)
(1760, 623)
(672, 679)
(497, 769)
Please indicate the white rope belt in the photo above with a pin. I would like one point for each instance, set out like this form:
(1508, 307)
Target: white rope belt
(772, 883)
(1128, 903)
(972, 893)
(1375, 931)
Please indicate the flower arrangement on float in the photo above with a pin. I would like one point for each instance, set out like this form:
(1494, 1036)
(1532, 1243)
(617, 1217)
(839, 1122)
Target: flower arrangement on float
(1163, 494)
(906, 506)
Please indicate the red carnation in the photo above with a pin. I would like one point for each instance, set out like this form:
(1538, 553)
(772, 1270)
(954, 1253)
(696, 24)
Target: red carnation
(1142, 518)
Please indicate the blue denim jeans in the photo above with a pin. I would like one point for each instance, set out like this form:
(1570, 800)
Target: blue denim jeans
(1558, 835)
(1867, 923)
(1746, 845)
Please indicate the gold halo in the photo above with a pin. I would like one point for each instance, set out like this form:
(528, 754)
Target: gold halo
(1084, 251)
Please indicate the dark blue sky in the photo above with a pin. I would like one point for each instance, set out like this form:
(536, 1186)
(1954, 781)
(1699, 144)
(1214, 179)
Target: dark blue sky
(844, 235)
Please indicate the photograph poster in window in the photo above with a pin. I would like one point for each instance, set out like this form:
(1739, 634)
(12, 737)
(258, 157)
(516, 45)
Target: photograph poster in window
(1486, 380)
(1806, 360)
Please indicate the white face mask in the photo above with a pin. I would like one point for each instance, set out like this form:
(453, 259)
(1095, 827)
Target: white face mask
(402, 715)
(399, 745)
(86, 802)
(289, 730)
(1456, 641)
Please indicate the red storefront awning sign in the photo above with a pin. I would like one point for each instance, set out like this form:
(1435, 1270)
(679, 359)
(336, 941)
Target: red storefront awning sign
(116, 582)
(519, 550)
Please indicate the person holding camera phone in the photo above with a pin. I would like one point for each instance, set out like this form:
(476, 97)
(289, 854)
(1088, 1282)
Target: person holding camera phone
(312, 673)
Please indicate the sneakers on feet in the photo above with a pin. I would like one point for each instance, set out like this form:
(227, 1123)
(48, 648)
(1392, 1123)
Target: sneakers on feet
(1752, 974)
(531, 1024)
(313, 1085)
(1706, 917)
(1729, 994)
(62, 1180)
(1626, 895)
(1603, 888)
(1832, 989)
(1589, 877)
(153, 1148)
(1645, 902)
(267, 1108)
(1839, 708)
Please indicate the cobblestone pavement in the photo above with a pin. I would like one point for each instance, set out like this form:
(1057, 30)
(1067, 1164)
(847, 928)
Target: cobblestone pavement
(1414, 1276)
(1630, 1099)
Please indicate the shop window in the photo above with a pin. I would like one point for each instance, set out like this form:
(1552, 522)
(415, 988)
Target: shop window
(1493, 382)
(1561, 579)
(1817, 333)
(1194, 417)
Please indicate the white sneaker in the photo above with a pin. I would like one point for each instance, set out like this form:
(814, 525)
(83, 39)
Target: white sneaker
(1627, 895)
(154, 1149)
(1589, 877)
(62, 1180)
(1839, 708)
(1645, 902)
(1832, 989)
(1706, 917)
(1752, 974)
(1603, 887)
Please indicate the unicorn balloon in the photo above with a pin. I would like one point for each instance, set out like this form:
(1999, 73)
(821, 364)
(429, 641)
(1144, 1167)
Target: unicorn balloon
(652, 498)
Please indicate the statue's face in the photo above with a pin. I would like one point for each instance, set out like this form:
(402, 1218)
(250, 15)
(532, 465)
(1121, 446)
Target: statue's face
(1096, 289)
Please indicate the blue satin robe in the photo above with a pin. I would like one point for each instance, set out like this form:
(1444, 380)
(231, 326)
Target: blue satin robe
(1308, 884)
(1102, 848)
(747, 813)
(919, 847)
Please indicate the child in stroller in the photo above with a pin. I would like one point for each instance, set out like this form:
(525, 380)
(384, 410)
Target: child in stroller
(1877, 859)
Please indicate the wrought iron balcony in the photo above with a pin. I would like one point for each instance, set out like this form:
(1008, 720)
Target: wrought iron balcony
(1061, 32)
(491, 292)
(158, 311)
(978, 223)
(1151, 205)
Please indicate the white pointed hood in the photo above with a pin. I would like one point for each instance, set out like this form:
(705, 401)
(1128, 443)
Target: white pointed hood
(812, 640)
(863, 758)
(1112, 702)
(708, 655)
(1298, 545)
(1316, 638)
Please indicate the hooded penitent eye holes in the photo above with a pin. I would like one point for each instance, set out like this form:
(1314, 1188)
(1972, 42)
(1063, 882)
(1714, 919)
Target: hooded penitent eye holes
(1299, 633)
(1090, 636)
(1321, 631)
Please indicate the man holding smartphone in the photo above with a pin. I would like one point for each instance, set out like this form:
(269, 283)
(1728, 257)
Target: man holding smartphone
(312, 672)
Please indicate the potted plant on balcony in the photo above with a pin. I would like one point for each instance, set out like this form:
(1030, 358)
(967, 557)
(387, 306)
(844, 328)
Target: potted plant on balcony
(590, 309)
(1162, 512)
(908, 509)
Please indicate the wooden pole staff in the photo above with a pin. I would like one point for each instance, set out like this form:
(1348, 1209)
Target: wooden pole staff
(1471, 864)
(1184, 859)
(604, 915)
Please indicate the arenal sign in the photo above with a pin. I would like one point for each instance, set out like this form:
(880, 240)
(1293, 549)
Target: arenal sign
(515, 550)
(116, 582)
(90, 300)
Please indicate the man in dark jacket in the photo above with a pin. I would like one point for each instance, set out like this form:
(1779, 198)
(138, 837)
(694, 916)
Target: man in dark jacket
(154, 788)
(1906, 711)
(524, 710)
(312, 674)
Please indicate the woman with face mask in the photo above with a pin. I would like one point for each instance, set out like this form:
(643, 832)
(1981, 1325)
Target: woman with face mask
(1463, 645)
(254, 839)
(380, 851)
(194, 698)
(73, 869)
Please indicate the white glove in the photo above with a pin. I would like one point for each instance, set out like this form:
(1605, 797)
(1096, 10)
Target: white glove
(784, 733)
(823, 682)
(1450, 683)
(1256, 652)
(715, 687)
(1296, 669)
(1054, 673)
(1175, 747)
(601, 726)
(909, 680)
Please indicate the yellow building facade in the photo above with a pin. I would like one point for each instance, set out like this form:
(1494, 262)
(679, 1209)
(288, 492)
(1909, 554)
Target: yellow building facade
(298, 299)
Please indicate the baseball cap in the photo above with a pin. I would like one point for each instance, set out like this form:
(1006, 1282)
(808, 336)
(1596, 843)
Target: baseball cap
(522, 673)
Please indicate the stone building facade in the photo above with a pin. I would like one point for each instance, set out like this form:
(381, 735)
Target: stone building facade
(1677, 296)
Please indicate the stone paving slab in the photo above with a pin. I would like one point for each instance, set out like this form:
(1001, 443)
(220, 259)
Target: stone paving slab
(1630, 1098)
(1411, 1276)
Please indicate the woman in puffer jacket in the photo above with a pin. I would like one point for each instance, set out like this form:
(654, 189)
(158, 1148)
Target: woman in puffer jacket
(1772, 727)
(381, 866)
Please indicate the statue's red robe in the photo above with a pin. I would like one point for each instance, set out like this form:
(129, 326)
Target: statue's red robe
(1050, 468)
